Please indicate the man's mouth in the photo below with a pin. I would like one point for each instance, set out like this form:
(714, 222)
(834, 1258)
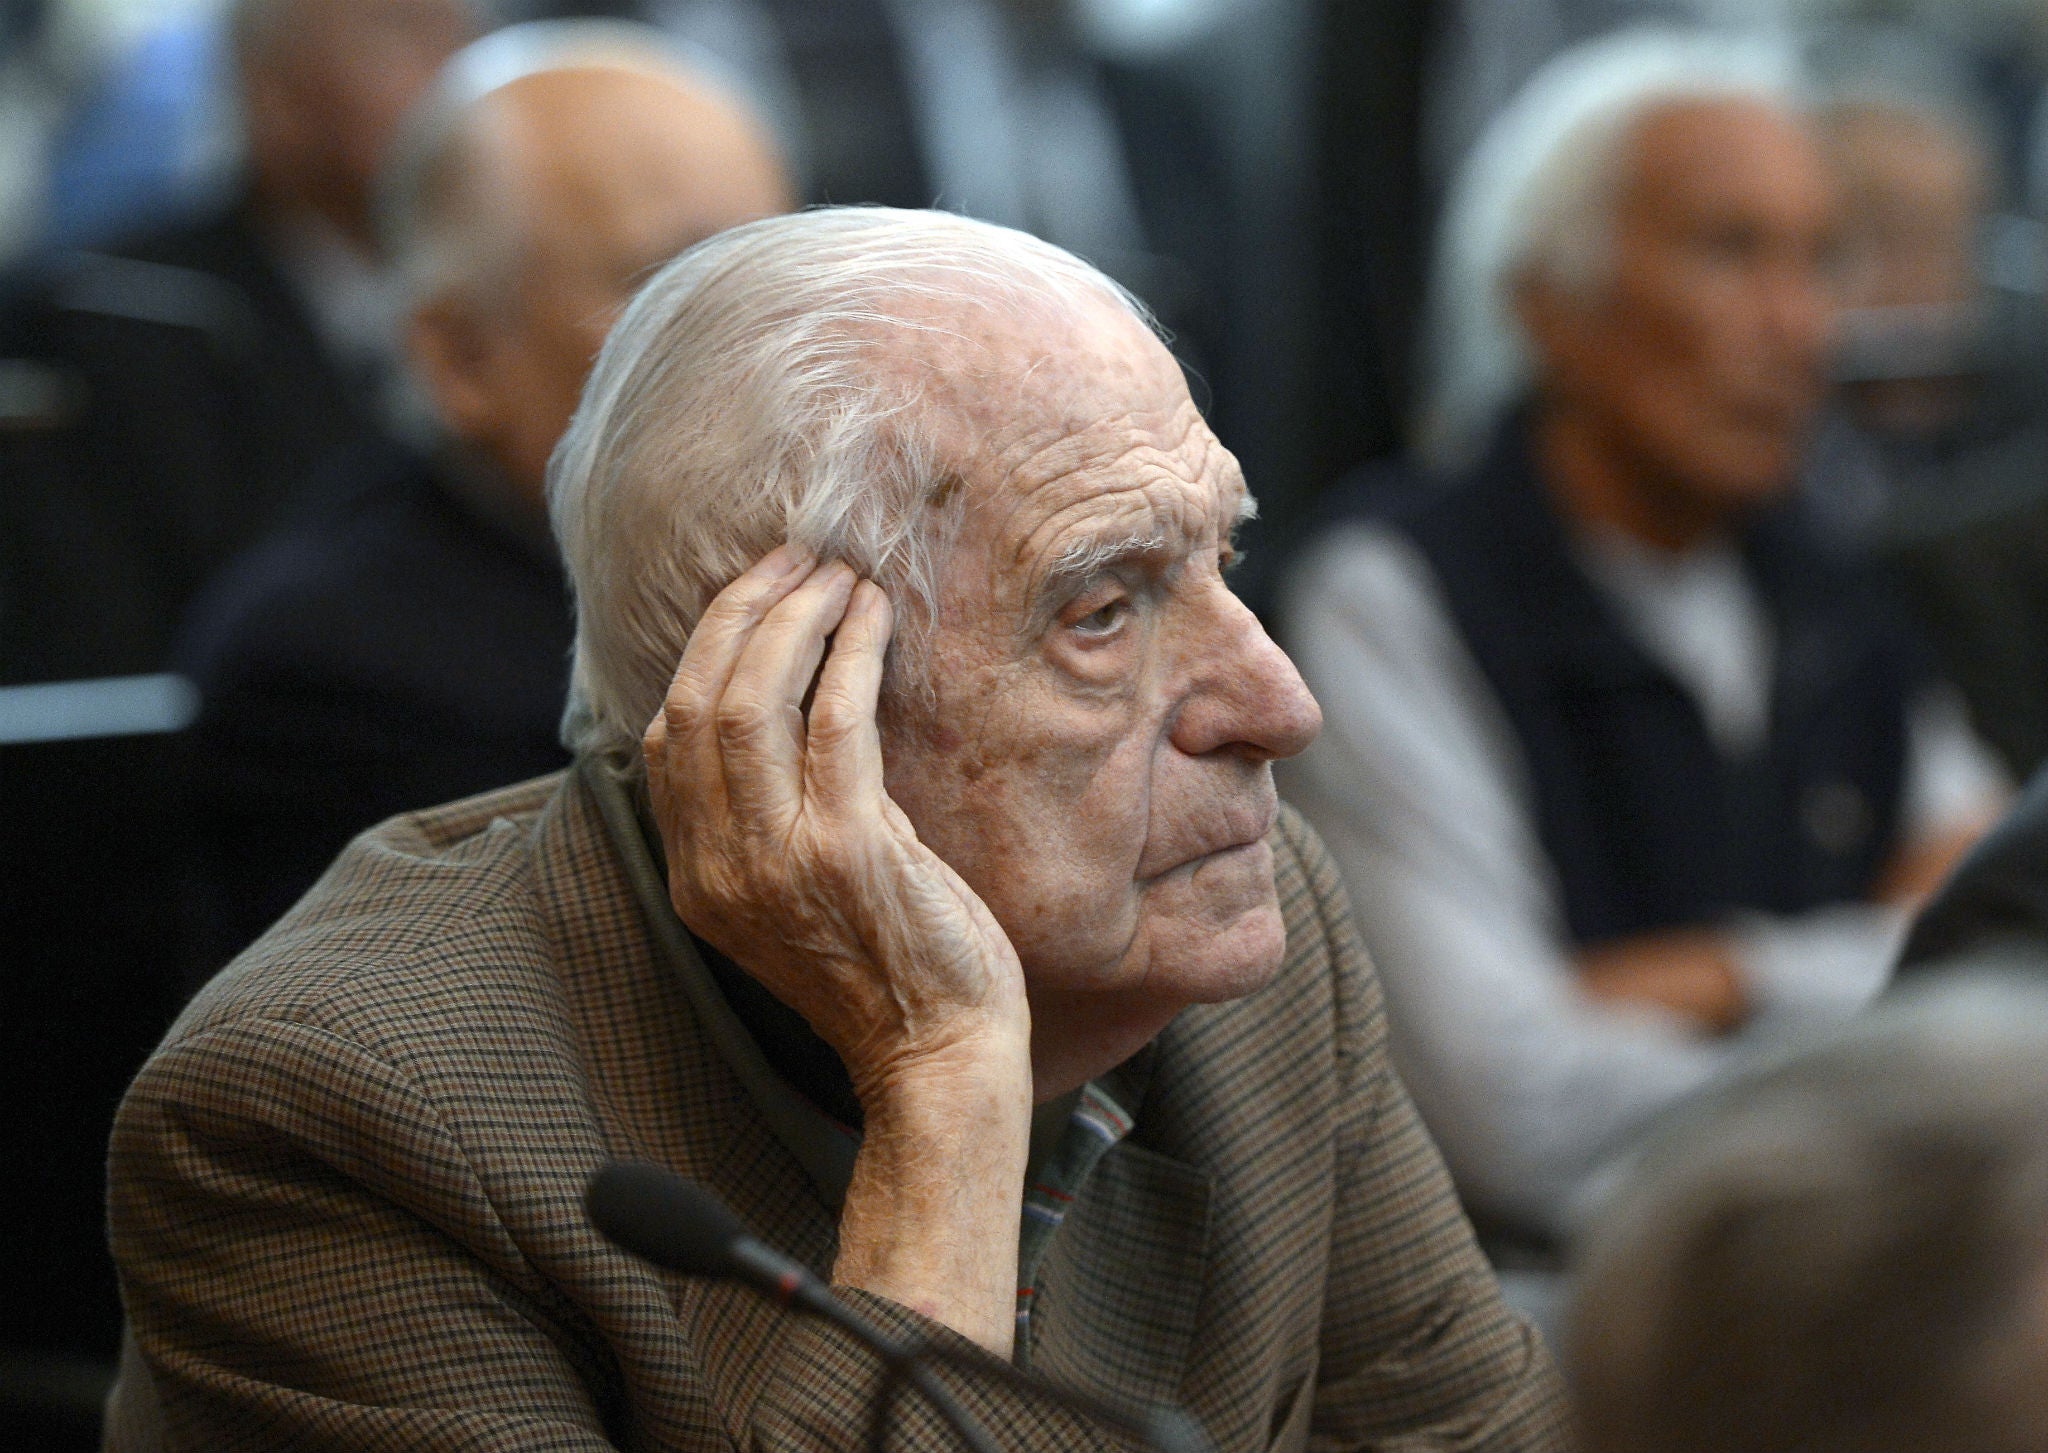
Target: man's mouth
(1242, 827)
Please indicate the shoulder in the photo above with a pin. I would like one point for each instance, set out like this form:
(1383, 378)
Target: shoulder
(359, 536)
(408, 1036)
(1366, 570)
(427, 925)
(1383, 538)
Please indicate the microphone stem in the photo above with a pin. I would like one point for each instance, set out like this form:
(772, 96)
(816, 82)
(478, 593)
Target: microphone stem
(901, 1362)
(1168, 1430)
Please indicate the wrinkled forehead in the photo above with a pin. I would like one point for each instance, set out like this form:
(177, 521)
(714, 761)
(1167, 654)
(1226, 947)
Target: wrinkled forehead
(983, 371)
(1071, 434)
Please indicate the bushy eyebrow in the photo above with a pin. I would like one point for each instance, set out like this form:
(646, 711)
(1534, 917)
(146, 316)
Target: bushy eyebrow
(1088, 557)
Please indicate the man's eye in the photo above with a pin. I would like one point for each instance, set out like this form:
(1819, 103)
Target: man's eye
(1104, 620)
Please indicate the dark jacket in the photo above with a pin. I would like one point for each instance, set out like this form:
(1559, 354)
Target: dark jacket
(1647, 824)
(387, 648)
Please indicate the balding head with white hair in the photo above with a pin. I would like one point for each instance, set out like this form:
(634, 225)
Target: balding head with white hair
(552, 168)
(1537, 197)
(778, 383)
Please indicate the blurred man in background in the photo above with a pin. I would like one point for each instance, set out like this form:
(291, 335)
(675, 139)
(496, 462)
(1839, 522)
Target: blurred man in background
(1846, 1254)
(199, 373)
(1936, 462)
(1618, 761)
(405, 639)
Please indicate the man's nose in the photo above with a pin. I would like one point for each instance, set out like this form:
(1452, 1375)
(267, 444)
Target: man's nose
(1245, 696)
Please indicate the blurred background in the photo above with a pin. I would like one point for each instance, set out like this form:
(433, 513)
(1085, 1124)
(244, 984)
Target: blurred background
(194, 326)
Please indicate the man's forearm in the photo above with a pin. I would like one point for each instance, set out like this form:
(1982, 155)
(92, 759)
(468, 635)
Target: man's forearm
(1691, 972)
(932, 1214)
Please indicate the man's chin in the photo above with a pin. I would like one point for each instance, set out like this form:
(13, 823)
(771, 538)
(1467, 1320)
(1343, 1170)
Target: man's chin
(1224, 950)
(1244, 959)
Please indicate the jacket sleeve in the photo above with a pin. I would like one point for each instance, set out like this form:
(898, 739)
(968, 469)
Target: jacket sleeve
(1418, 1350)
(309, 1260)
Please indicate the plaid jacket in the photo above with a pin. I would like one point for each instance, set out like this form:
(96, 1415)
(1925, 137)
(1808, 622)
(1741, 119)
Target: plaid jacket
(346, 1197)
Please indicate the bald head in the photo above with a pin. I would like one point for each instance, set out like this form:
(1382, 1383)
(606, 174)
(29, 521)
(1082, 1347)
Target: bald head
(625, 168)
(527, 212)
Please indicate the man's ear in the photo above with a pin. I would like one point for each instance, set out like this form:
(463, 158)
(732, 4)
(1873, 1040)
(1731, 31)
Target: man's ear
(455, 354)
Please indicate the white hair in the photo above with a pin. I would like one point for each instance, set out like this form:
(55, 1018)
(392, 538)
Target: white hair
(448, 205)
(1536, 195)
(768, 385)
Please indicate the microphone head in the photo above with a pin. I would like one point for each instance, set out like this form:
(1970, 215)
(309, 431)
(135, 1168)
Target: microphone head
(664, 1218)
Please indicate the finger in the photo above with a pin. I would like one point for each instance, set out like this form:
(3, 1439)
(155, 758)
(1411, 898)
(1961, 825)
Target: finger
(759, 717)
(843, 763)
(679, 738)
(734, 613)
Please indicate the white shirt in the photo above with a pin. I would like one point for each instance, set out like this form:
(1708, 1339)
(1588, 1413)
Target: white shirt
(1419, 787)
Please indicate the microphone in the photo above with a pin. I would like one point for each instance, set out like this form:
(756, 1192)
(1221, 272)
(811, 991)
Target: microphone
(676, 1223)
(679, 1225)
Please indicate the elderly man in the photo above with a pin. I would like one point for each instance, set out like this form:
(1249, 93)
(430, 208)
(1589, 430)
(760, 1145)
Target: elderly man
(1945, 468)
(405, 640)
(1847, 1253)
(207, 368)
(1620, 762)
(919, 885)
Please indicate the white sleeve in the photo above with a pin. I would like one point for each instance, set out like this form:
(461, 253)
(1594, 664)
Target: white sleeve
(1809, 971)
(1954, 782)
(1417, 786)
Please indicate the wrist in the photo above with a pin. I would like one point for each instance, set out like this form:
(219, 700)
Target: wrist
(932, 1215)
(973, 1072)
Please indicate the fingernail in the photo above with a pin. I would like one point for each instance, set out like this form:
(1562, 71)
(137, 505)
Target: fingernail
(786, 559)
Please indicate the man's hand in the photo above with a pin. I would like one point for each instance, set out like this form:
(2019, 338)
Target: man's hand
(785, 850)
(1690, 972)
(1918, 868)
